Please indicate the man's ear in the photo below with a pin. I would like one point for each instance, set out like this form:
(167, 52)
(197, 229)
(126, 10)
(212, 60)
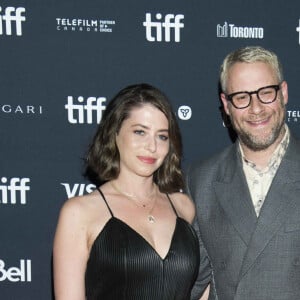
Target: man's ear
(225, 103)
(284, 91)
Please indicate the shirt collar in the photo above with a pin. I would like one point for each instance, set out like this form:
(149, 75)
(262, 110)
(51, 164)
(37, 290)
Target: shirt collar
(277, 154)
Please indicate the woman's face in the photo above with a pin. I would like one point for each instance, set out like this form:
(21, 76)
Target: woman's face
(143, 141)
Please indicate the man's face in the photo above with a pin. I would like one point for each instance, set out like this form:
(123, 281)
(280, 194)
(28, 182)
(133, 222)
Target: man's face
(259, 125)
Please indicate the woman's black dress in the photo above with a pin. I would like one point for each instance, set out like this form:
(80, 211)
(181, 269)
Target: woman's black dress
(123, 265)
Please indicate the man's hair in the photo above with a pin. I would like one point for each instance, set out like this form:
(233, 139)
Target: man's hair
(249, 54)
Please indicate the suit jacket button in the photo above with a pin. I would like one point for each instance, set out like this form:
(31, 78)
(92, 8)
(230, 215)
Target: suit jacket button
(296, 262)
(223, 265)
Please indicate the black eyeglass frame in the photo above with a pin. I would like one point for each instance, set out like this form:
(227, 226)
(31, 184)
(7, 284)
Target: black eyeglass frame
(277, 87)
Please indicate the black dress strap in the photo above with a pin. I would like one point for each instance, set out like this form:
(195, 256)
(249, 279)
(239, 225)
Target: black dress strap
(105, 202)
(172, 205)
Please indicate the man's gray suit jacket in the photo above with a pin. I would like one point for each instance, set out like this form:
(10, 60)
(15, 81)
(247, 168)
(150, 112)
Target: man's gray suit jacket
(250, 258)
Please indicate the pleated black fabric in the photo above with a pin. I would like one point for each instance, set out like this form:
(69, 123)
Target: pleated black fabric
(123, 265)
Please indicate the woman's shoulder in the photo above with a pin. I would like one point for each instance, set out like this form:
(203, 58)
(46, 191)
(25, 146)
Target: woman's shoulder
(80, 207)
(184, 206)
(80, 202)
(180, 196)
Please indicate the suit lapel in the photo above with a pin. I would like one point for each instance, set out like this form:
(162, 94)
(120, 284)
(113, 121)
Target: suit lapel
(233, 195)
(279, 204)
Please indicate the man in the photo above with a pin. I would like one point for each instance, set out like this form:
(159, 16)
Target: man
(248, 196)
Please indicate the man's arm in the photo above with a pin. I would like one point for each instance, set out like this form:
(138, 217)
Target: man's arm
(205, 271)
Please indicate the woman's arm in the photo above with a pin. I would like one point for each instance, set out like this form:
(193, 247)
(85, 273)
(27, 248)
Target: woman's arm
(205, 294)
(70, 252)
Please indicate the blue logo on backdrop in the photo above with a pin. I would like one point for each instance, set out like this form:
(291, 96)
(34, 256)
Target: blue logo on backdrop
(163, 29)
(232, 31)
(11, 20)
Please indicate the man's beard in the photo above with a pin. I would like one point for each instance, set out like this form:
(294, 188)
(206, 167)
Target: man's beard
(257, 143)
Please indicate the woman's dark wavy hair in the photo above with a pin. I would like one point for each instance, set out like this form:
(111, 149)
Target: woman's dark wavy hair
(103, 159)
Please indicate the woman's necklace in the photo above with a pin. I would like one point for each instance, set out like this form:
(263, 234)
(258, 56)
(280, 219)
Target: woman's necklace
(133, 197)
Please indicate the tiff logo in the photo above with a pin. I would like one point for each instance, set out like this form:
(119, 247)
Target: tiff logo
(85, 111)
(13, 190)
(12, 15)
(298, 29)
(156, 29)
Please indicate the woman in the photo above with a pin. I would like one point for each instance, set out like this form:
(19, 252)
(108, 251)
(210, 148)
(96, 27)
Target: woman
(131, 238)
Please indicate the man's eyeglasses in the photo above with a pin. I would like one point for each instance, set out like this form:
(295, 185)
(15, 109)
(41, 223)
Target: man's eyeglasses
(266, 94)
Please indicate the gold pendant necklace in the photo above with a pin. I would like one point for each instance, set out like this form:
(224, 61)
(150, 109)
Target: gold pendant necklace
(150, 217)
